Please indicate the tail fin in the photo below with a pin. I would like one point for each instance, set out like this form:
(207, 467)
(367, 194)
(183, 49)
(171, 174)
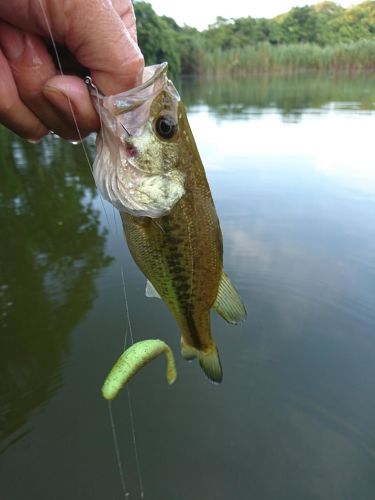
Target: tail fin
(210, 364)
(209, 361)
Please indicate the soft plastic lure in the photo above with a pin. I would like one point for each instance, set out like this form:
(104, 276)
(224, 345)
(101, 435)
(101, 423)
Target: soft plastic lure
(132, 360)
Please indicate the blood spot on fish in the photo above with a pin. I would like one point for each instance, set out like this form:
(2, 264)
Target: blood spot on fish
(131, 151)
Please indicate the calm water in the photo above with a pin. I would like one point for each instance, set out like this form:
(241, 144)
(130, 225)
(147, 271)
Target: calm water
(291, 168)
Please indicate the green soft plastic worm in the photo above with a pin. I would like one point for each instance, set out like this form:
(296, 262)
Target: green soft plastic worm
(132, 360)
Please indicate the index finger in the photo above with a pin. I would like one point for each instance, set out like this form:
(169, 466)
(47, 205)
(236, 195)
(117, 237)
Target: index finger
(126, 11)
(99, 39)
(100, 36)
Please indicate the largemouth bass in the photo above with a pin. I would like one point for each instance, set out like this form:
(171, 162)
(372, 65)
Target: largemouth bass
(148, 166)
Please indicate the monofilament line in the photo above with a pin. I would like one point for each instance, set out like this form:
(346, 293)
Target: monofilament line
(118, 244)
(129, 326)
(117, 451)
(139, 473)
(114, 433)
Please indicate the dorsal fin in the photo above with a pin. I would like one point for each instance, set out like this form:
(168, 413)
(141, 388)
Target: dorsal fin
(228, 302)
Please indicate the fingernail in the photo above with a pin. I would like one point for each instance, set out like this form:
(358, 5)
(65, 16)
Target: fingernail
(12, 43)
(58, 99)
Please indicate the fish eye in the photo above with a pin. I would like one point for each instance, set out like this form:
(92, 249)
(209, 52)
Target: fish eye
(166, 126)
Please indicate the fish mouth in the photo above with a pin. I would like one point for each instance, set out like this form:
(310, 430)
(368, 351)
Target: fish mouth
(126, 185)
(153, 76)
(125, 102)
(131, 150)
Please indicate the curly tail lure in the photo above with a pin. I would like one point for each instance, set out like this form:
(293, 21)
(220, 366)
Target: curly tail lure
(132, 360)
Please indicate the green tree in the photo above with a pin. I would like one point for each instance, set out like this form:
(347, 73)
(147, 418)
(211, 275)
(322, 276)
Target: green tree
(247, 41)
(156, 38)
(300, 25)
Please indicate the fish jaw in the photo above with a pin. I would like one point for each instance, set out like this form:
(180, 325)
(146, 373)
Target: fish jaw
(129, 189)
(133, 170)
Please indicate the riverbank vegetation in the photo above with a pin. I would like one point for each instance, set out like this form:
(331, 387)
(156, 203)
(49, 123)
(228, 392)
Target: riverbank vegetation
(322, 37)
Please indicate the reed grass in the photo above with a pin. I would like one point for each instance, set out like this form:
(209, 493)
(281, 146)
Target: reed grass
(293, 58)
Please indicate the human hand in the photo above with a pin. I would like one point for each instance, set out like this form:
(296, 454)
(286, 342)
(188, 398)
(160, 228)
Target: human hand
(100, 35)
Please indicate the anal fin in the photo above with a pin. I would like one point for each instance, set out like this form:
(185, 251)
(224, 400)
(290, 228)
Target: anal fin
(187, 352)
(228, 302)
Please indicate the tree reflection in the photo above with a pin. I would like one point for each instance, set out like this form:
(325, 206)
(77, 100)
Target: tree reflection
(51, 250)
(289, 94)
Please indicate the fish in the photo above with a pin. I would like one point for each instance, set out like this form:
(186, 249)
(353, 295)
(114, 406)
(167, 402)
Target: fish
(148, 166)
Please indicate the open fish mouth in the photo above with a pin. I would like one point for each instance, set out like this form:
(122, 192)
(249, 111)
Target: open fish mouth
(118, 170)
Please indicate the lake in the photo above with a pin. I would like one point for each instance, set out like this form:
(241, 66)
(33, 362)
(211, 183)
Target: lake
(290, 163)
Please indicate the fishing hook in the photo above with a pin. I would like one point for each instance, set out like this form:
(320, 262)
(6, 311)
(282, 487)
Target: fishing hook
(90, 83)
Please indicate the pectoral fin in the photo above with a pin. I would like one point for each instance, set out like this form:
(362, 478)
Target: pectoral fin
(150, 291)
(228, 303)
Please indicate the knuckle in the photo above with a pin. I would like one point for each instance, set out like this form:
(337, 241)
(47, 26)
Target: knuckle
(6, 108)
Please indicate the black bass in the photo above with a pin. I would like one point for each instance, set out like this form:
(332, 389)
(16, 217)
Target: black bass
(148, 166)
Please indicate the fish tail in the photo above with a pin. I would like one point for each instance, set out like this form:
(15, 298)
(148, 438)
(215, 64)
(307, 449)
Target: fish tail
(210, 364)
(208, 360)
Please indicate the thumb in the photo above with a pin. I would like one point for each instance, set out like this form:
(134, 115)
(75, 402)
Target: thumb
(102, 41)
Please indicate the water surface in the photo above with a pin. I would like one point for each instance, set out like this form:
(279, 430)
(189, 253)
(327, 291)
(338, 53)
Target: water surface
(291, 166)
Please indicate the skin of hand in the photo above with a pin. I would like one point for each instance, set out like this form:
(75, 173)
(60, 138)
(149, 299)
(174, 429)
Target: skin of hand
(99, 35)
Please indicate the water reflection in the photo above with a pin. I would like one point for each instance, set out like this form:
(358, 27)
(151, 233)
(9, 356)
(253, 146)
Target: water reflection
(296, 198)
(337, 144)
(290, 95)
(51, 250)
(290, 168)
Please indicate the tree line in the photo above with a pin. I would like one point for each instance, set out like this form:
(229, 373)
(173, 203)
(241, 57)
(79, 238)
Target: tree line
(324, 36)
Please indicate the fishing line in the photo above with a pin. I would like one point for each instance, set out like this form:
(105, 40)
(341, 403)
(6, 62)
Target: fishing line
(117, 239)
(142, 493)
(129, 325)
(117, 451)
(62, 73)
(128, 328)
(112, 423)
